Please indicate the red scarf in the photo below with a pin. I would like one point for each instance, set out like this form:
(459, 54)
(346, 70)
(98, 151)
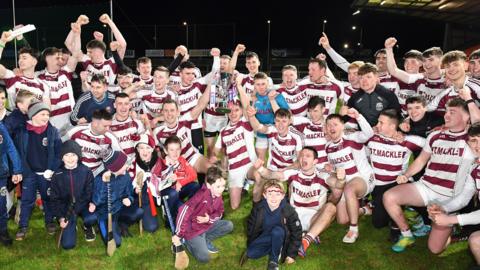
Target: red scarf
(37, 130)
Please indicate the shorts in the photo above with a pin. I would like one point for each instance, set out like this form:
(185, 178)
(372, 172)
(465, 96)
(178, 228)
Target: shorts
(214, 123)
(305, 215)
(236, 177)
(194, 159)
(261, 142)
(428, 195)
(370, 183)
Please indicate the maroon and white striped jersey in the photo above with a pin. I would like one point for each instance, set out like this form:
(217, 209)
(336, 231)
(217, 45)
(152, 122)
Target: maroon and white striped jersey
(329, 91)
(350, 154)
(153, 102)
(296, 98)
(439, 103)
(348, 91)
(182, 130)
(93, 146)
(314, 136)
(450, 161)
(283, 150)
(389, 82)
(147, 89)
(128, 133)
(430, 88)
(15, 83)
(61, 95)
(188, 98)
(108, 69)
(238, 142)
(390, 158)
(307, 191)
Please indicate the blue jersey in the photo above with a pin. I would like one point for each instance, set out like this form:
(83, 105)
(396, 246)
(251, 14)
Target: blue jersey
(87, 104)
(265, 113)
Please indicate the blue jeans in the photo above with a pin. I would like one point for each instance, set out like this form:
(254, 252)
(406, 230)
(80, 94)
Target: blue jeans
(150, 222)
(269, 243)
(69, 235)
(175, 199)
(198, 245)
(30, 185)
(3, 204)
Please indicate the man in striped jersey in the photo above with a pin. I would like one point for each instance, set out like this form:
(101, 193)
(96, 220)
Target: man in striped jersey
(309, 190)
(389, 158)
(59, 81)
(236, 140)
(295, 96)
(153, 101)
(429, 84)
(455, 63)
(94, 61)
(27, 61)
(347, 151)
(448, 159)
(474, 64)
(190, 90)
(313, 128)
(181, 126)
(144, 68)
(446, 215)
(94, 138)
(124, 127)
(285, 142)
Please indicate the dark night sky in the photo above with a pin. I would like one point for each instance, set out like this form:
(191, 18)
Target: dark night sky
(295, 24)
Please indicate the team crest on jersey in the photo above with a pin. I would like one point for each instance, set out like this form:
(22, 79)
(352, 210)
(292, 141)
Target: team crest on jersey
(45, 141)
(48, 191)
(108, 109)
(379, 106)
(3, 191)
(1, 139)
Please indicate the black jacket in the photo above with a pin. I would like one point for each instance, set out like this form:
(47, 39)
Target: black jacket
(61, 196)
(290, 222)
(370, 105)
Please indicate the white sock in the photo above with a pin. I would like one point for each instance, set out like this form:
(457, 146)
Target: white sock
(354, 228)
(407, 233)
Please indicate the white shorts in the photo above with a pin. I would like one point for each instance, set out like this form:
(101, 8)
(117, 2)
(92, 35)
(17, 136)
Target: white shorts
(194, 159)
(305, 215)
(429, 196)
(261, 142)
(236, 177)
(213, 123)
(369, 182)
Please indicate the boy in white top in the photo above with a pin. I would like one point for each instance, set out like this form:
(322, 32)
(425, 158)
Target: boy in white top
(347, 151)
(448, 159)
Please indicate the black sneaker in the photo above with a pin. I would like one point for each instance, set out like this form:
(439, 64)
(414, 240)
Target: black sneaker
(90, 235)
(51, 228)
(124, 232)
(272, 265)
(21, 234)
(5, 238)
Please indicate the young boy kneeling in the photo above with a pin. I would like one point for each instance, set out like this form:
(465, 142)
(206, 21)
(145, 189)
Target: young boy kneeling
(273, 228)
(199, 219)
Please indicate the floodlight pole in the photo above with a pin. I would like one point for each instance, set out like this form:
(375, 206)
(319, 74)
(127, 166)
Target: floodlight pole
(14, 40)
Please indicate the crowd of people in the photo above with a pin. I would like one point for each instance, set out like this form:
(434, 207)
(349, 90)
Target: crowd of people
(87, 137)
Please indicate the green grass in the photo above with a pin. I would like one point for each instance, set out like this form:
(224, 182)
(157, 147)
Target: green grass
(152, 251)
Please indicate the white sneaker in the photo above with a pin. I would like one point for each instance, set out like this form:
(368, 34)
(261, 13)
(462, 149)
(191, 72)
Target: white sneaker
(350, 237)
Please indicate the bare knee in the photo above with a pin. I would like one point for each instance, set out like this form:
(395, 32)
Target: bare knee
(330, 209)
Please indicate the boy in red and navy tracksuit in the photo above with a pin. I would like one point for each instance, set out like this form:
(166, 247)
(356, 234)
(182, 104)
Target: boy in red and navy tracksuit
(71, 195)
(182, 174)
(199, 220)
(38, 144)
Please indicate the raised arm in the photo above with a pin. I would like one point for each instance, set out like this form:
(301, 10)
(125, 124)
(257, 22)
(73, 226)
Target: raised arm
(75, 49)
(202, 103)
(336, 58)
(266, 173)
(233, 62)
(254, 121)
(116, 33)
(392, 66)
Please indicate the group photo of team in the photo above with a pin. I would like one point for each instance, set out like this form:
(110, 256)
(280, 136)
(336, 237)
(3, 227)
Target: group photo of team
(178, 167)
